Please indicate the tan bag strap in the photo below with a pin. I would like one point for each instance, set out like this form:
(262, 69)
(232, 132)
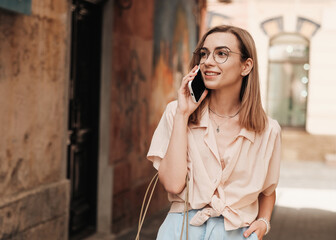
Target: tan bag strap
(186, 210)
(143, 212)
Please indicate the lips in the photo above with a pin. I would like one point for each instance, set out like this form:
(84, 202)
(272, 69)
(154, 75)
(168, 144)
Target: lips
(210, 73)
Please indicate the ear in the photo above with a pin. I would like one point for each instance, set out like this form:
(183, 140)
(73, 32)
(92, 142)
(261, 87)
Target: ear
(247, 67)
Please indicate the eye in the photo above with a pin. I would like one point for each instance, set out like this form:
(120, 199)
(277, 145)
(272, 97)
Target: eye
(222, 53)
(203, 54)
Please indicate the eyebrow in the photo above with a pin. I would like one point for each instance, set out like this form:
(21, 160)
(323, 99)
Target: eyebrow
(219, 47)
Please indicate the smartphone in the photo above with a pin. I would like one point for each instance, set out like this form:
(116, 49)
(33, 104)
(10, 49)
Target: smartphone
(196, 86)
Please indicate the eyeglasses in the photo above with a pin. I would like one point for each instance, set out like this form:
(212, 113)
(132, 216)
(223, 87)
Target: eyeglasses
(220, 54)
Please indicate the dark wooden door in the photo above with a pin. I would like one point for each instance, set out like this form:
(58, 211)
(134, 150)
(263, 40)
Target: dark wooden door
(84, 116)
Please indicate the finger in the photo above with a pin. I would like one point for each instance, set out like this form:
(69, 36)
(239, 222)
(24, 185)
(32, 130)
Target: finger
(194, 68)
(184, 86)
(190, 75)
(193, 71)
(248, 232)
(187, 79)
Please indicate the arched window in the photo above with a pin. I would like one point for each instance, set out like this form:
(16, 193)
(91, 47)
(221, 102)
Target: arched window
(288, 79)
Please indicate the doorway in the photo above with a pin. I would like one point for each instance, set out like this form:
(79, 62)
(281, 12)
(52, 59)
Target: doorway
(288, 80)
(83, 122)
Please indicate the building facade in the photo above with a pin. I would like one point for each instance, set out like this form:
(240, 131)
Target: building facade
(295, 44)
(83, 85)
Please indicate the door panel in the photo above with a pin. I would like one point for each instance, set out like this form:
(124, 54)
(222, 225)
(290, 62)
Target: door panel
(287, 93)
(288, 79)
(84, 116)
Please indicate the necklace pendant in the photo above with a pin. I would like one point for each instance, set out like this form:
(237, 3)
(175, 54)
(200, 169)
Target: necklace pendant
(217, 129)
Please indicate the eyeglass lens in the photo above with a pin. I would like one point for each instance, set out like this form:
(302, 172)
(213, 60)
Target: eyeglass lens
(219, 55)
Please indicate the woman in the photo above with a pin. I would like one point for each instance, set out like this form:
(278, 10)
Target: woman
(225, 143)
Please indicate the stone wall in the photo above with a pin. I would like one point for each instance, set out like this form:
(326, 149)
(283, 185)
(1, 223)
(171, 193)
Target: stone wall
(152, 45)
(36, 214)
(33, 79)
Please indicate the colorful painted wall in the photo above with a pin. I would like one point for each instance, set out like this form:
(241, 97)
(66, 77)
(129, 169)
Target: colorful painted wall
(152, 43)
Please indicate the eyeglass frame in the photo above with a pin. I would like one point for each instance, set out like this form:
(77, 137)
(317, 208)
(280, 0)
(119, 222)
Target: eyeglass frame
(213, 56)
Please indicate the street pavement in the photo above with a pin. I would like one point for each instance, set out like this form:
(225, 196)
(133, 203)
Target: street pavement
(306, 202)
(305, 207)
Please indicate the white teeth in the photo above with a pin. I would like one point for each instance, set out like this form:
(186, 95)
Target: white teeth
(211, 74)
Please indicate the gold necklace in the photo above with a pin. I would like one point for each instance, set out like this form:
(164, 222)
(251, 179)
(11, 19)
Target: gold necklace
(217, 129)
(222, 116)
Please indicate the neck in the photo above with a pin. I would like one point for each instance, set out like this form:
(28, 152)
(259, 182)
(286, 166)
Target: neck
(224, 101)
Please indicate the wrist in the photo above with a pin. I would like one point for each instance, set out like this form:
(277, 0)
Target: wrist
(267, 223)
(181, 114)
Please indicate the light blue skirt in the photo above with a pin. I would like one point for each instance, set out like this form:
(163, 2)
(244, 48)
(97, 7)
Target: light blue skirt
(213, 229)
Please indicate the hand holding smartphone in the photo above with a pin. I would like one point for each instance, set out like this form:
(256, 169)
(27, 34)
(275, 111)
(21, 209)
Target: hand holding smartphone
(196, 86)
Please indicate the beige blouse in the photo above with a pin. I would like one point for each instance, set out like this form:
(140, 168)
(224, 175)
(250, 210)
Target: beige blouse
(252, 166)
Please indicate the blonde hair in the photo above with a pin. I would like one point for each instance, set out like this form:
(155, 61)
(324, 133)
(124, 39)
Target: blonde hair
(252, 116)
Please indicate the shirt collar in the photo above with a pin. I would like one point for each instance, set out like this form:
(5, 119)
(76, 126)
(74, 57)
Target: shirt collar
(250, 135)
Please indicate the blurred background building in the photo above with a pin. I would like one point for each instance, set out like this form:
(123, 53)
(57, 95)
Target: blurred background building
(295, 44)
(83, 84)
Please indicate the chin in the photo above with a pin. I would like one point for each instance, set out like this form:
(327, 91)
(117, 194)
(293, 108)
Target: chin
(210, 85)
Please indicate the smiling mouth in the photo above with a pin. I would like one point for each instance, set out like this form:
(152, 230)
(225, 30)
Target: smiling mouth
(211, 73)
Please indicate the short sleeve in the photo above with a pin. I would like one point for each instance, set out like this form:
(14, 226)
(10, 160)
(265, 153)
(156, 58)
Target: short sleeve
(273, 172)
(161, 136)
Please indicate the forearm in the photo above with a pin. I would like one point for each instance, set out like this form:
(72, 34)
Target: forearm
(173, 167)
(260, 227)
(266, 205)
